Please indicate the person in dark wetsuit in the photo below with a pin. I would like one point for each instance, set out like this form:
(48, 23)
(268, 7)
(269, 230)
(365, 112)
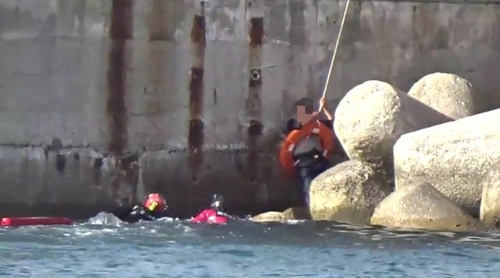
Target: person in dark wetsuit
(307, 155)
(153, 208)
(215, 214)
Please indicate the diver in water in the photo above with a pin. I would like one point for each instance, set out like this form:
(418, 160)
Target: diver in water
(215, 214)
(153, 208)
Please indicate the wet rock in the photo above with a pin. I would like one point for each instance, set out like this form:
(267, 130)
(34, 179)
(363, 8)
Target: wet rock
(421, 206)
(270, 216)
(490, 201)
(453, 157)
(447, 93)
(372, 116)
(347, 192)
(295, 213)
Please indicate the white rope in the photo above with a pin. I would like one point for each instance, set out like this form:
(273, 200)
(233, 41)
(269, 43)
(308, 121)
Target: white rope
(336, 47)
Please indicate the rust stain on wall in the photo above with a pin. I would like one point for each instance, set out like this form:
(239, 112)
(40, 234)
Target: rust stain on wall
(256, 31)
(119, 32)
(254, 102)
(157, 22)
(157, 92)
(124, 180)
(196, 94)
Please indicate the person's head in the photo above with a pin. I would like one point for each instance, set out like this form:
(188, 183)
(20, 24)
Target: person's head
(305, 109)
(155, 203)
(217, 202)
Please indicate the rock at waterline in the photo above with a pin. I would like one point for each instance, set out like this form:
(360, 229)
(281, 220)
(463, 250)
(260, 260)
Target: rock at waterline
(347, 192)
(421, 206)
(295, 213)
(373, 115)
(270, 216)
(447, 93)
(453, 157)
(490, 201)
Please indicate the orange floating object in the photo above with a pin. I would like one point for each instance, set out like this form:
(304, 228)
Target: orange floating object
(32, 221)
(286, 152)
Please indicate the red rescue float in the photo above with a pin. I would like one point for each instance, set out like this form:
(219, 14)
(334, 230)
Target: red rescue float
(32, 221)
(286, 152)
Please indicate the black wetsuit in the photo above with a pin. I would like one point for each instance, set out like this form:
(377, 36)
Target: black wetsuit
(135, 213)
(310, 165)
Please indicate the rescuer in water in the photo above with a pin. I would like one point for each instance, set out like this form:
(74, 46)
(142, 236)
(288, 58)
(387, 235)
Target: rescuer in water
(308, 158)
(153, 208)
(215, 214)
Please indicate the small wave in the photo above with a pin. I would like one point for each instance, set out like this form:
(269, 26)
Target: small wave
(104, 218)
(83, 232)
(295, 222)
(245, 248)
(297, 232)
(484, 238)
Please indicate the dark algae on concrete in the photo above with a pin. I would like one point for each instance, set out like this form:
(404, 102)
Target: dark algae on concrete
(119, 32)
(196, 95)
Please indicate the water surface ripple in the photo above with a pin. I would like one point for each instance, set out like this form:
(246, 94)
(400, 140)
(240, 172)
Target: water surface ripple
(243, 249)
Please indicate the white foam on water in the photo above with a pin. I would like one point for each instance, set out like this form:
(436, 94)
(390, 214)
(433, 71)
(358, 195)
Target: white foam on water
(294, 222)
(446, 234)
(186, 228)
(83, 232)
(168, 219)
(405, 235)
(479, 239)
(104, 218)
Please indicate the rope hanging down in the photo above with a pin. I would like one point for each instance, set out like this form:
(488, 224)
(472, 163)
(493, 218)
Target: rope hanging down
(336, 47)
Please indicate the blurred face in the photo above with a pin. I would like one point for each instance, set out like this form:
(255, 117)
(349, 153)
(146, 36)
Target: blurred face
(302, 114)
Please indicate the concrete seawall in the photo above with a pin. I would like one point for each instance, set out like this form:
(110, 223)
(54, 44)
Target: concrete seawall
(105, 101)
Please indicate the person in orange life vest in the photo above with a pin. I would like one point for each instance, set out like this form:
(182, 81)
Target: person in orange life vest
(215, 214)
(153, 208)
(307, 155)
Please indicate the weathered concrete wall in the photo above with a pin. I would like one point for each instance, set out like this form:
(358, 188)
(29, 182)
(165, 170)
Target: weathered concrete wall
(168, 82)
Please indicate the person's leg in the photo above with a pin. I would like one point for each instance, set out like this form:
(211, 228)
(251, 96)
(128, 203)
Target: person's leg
(305, 178)
(325, 165)
(321, 166)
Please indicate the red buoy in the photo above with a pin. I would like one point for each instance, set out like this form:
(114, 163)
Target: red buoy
(32, 221)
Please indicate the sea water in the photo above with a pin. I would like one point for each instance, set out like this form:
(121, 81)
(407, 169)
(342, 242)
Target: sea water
(104, 247)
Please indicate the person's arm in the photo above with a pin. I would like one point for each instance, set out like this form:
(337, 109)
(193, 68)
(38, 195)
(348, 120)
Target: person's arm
(200, 218)
(328, 113)
(314, 118)
(325, 109)
(232, 217)
(327, 123)
(122, 211)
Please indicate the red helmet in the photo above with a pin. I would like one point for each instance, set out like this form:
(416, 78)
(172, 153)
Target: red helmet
(155, 202)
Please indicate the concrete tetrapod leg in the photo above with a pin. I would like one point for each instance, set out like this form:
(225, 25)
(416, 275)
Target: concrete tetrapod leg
(373, 115)
(490, 201)
(453, 157)
(447, 93)
(347, 192)
(421, 206)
